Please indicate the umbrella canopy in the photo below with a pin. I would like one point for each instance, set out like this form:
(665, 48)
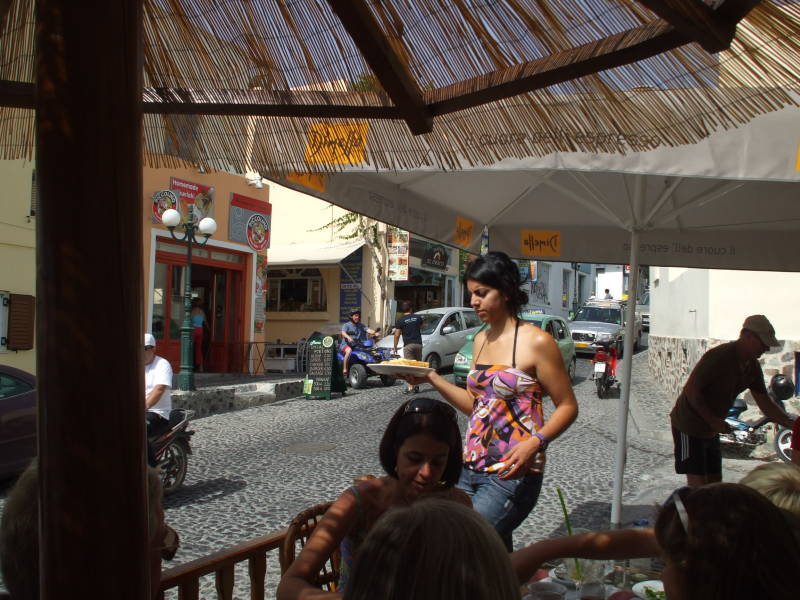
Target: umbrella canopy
(729, 201)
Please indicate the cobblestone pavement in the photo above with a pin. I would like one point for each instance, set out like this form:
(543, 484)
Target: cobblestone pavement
(254, 469)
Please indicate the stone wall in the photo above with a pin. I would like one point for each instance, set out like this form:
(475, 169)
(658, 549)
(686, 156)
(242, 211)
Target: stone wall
(671, 359)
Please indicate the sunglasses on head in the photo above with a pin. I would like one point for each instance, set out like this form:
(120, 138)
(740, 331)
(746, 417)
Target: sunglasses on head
(676, 500)
(430, 406)
(149, 347)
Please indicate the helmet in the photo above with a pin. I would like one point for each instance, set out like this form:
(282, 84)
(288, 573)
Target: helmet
(355, 312)
(781, 386)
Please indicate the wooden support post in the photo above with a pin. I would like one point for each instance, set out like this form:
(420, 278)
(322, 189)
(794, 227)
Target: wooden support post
(93, 515)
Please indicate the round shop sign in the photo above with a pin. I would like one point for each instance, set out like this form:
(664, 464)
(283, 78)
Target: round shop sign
(327, 341)
(163, 200)
(257, 232)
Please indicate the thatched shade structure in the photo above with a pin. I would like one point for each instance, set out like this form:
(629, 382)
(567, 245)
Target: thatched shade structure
(275, 86)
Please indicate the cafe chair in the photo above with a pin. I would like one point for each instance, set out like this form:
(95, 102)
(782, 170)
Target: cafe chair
(297, 535)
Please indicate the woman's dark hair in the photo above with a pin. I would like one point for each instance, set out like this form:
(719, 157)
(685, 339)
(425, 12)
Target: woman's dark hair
(739, 545)
(497, 270)
(428, 416)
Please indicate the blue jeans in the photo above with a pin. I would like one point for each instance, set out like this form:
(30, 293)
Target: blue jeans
(504, 502)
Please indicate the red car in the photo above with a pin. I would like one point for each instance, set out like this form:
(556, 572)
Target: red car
(17, 420)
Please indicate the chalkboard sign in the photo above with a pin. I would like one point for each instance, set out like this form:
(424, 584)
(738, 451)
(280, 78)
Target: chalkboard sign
(324, 374)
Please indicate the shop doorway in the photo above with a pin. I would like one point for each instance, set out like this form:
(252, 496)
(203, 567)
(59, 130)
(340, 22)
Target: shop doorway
(218, 288)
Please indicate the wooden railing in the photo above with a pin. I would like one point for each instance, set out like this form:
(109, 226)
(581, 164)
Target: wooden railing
(186, 577)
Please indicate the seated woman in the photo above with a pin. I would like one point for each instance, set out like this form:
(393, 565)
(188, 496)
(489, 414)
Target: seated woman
(421, 454)
(726, 540)
(433, 550)
(777, 482)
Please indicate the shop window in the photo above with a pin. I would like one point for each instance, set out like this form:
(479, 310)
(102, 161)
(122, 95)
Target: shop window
(16, 321)
(296, 290)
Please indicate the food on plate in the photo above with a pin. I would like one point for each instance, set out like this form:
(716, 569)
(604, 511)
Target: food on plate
(654, 594)
(406, 362)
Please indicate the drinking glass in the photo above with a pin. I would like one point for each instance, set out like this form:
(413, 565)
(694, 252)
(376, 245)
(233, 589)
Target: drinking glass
(545, 590)
(592, 586)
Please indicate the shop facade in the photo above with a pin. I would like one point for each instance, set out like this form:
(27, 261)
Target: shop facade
(432, 277)
(228, 273)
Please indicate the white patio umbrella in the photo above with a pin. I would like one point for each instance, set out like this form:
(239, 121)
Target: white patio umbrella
(729, 202)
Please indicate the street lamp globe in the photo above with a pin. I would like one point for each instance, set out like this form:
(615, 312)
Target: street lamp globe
(171, 217)
(207, 226)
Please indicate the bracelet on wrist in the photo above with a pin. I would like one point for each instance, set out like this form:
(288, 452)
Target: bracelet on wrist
(543, 441)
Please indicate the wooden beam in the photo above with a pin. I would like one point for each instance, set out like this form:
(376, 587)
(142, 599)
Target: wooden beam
(712, 29)
(322, 111)
(614, 51)
(387, 66)
(93, 506)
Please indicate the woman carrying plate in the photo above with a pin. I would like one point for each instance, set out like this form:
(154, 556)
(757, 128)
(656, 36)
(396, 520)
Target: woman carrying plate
(515, 364)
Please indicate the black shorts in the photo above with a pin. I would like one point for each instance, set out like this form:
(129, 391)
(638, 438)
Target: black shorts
(695, 455)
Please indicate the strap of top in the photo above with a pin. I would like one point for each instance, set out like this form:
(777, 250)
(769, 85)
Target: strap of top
(514, 351)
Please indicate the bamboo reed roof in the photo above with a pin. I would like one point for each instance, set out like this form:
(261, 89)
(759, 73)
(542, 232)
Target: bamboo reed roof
(314, 85)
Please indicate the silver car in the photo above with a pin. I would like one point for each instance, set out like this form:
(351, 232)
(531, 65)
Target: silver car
(444, 331)
(602, 322)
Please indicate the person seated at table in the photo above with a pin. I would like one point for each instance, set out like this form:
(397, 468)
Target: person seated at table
(420, 451)
(778, 482)
(726, 540)
(433, 550)
(19, 535)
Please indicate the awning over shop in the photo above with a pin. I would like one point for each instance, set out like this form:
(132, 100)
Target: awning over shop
(316, 254)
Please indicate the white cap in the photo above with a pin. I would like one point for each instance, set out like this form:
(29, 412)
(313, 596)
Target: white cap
(149, 340)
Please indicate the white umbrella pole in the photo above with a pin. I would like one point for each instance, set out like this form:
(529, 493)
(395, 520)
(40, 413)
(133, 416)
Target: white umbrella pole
(626, 367)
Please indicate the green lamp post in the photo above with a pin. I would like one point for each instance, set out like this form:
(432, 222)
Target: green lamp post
(206, 227)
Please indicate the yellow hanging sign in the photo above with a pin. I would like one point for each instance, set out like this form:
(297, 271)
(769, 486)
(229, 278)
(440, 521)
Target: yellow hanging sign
(336, 143)
(313, 181)
(464, 231)
(538, 242)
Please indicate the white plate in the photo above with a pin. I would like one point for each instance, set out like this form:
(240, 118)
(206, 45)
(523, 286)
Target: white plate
(388, 369)
(655, 584)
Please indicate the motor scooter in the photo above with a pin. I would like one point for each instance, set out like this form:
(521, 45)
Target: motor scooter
(750, 435)
(363, 354)
(172, 450)
(605, 368)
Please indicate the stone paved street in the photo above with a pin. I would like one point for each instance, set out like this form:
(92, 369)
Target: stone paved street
(254, 469)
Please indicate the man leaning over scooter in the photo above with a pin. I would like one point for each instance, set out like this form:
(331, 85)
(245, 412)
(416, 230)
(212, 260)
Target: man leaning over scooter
(722, 373)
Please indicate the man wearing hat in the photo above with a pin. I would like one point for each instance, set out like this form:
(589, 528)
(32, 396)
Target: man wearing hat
(717, 379)
(157, 394)
(354, 332)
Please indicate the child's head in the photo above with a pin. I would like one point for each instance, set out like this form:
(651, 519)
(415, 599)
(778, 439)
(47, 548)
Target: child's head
(435, 549)
(779, 482)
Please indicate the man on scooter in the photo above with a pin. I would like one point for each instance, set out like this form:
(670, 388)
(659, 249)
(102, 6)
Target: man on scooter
(354, 332)
(157, 393)
(718, 378)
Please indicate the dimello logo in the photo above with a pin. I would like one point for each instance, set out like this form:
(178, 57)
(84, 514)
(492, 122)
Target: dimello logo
(537, 242)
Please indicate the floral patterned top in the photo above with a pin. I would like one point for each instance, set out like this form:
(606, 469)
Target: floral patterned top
(507, 409)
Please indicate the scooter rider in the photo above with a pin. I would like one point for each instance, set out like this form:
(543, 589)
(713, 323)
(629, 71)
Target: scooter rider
(157, 393)
(354, 332)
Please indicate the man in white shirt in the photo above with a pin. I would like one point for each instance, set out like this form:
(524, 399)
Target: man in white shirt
(157, 394)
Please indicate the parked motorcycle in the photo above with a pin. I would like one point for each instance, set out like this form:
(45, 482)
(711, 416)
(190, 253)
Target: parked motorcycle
(750, 435)
(605, 368)
(363, 354)
(172, 450)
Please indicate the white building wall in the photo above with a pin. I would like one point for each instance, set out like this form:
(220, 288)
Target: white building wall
(679, 302)
(737, 294)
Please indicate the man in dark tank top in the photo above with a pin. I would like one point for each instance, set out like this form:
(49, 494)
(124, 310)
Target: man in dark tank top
(410, 326)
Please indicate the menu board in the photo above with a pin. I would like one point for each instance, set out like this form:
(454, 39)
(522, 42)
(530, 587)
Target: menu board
(324, 375)
(350, 285)
(397, 245)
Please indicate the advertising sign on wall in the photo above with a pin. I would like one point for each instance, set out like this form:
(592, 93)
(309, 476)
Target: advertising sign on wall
(260, 298)
(250, 221)
(397, 245)
(435, 257)
(163, 200)
(350, 286)
(201, 197)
